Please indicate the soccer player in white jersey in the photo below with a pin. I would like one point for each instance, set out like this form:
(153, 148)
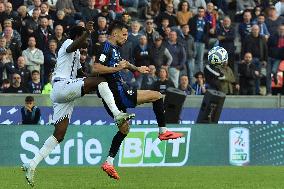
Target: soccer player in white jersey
(70, 83)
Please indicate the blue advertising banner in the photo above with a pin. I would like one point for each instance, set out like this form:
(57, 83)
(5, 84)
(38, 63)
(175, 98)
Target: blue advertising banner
(144, 115)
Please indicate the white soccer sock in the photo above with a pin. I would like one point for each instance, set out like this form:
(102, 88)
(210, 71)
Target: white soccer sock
(107, 95)
(110, 160)
(162, 130)
(46, 149)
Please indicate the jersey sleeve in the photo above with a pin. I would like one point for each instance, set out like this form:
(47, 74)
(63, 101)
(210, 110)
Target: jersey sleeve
(65, 45)
(102, 55)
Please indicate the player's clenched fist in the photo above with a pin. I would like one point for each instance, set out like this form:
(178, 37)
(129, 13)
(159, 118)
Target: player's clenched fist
(143, 69)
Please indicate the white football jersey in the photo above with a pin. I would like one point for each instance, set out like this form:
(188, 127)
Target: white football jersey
(67, 64)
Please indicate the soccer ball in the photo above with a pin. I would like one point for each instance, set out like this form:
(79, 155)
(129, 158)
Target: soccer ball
(217, 56)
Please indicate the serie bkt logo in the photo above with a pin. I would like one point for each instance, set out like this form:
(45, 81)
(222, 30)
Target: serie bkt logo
(143, 148)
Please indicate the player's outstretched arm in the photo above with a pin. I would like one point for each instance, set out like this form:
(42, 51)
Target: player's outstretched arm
(100, 69)
(81, 41)
(133, 68)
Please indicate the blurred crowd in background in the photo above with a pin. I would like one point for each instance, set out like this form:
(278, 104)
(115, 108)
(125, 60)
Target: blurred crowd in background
(172, 37)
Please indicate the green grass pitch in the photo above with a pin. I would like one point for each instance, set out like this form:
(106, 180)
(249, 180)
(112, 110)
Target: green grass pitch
(215, 177)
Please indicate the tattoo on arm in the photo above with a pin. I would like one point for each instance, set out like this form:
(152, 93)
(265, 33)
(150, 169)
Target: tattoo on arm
(131, 67)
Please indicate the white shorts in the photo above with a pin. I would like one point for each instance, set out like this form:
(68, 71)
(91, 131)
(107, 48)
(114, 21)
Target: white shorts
(63, 96)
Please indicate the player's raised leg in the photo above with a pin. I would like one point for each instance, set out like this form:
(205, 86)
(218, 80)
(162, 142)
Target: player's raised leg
(106, 94)
(146, 96)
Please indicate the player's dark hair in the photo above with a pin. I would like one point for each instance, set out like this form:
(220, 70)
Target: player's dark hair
(29, 99)
(116, 25)
(76, 31)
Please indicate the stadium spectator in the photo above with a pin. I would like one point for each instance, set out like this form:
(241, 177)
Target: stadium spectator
(199, 30)
(195, 4)
(149, 79)
(33, 56)
(85, 61)
(163, 81)
(101, 29)
(66, 5)
(17, 86)
(164, 4)
(200, 86)
(109, 15)
(211, 16)
(61, 19)
(256, 12)
(163, 26)
(132, 5)
(35, 6)
(149, 31)
(2, 12)
(134, 34)
(79, 5)
(47, 88)
(15, 33)
(248, 74)
(31, 25)
(184, 84)
(257, 46)
(101, 39)
(141, 57)
(44, 12)
(160, 55)
(126, 19)
(183, 14)
(12, 42)
(273, 21)
(52, 6)
(90, 12)
(226, 36)
(34, 85)
(228, 85)
(30, 113)
(179, 57)
(22, 70)
(43, 34)
(243, 5)
(275, 52)
(23, 16)
(262, 26)
(152, 10)
(245, 25)
(12, 15)
(50, 59)
(188, 42)
(9, 67)
(169, 14)
(5, 85)
(2, 63)
(126, 52)
(59, 36)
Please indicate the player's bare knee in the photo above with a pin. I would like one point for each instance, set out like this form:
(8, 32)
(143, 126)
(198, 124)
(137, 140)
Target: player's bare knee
(124, 129)
(59, 137)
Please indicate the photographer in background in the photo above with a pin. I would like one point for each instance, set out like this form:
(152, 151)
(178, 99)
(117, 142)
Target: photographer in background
(30, 113)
